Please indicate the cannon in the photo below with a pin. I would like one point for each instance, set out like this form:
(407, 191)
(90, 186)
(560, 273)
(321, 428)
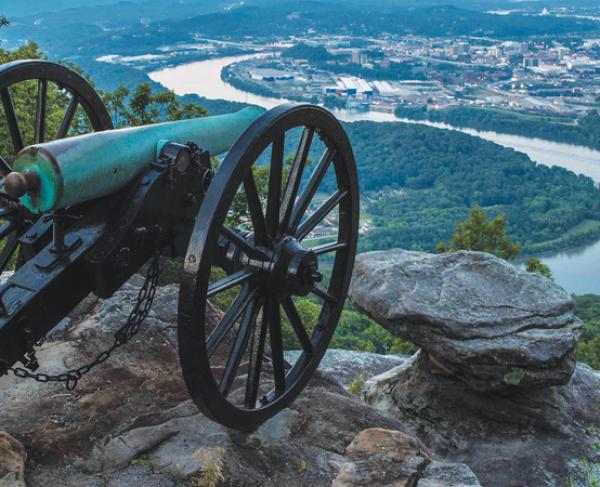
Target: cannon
(270, 223)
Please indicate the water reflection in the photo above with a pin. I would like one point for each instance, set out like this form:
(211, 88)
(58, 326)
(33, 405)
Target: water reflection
(577, 269)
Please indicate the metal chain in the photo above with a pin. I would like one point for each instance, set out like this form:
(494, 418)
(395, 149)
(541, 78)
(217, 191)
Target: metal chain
(137, 316)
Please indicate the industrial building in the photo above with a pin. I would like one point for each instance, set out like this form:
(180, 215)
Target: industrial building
(350, 86)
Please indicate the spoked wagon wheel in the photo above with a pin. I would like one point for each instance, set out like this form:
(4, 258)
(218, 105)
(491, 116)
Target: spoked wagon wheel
(40, 102)
(268, 220)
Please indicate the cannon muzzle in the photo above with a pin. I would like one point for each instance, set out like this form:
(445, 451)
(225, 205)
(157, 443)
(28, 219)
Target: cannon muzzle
(69, 171)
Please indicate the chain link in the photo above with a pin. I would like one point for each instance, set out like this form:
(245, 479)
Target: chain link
(137, 316)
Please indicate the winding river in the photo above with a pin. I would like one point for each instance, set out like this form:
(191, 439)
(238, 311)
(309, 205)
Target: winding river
(577, 270)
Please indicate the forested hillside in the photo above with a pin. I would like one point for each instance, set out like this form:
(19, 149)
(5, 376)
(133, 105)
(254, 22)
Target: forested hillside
(275, 19)
(127, 10)
(418, 182)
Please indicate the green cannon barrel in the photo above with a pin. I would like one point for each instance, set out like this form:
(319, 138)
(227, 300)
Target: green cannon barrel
(78, 169)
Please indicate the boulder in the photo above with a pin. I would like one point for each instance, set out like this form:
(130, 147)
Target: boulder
(12, 461)
(348, 365)
(378, 457)
(484, 321)
(537, 437)
(495, 384)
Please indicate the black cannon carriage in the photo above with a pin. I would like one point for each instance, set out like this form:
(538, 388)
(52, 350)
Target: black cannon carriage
(82, 212)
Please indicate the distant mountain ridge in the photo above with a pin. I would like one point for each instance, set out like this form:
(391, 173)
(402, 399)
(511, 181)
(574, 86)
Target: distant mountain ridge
(122, 12)
(296, 18)
(292, 17)
(10, 8)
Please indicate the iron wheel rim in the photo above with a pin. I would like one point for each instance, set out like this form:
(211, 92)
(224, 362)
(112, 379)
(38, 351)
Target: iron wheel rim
(194, 357)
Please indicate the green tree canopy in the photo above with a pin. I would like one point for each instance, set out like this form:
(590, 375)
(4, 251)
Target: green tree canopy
(536, 265)
(483, 235)
(143, 106)
(588, 310)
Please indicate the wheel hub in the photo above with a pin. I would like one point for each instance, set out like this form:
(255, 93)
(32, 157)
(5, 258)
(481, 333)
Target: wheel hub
(294, 270)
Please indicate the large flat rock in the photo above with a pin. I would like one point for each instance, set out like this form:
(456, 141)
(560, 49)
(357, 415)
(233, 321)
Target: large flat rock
(494, 326)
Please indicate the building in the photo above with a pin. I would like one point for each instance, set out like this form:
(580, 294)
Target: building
(549, 70)
(350, 86)
(271, 75)
(531, 62)
(386, 89)
(356, 86)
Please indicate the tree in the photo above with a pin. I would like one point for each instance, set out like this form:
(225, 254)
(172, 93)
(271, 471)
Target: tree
(536, 265)
(143, 106)
(588, 311)
(483, 235)
(589, 352)
(116, 104)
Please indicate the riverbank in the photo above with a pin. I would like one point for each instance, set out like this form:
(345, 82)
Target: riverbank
(230, 76)
(577, 158)
(584, 233)
(584, 132)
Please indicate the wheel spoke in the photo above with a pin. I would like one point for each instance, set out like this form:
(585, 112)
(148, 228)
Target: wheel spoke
(5, 197)
(328, 247)
(319, 215)
(224, 327)
(40, 114)
(5, 168)
(8, 250)
(294, 179)
(275, 178)
(255, 207)
(6, 228)
(255, 363)
(297, 325)
(239, 241)
(276, 345)
(230, 281)
(239, 348)
(6, 212)
(311, 188)
(11, 119)
(324, 295)
(68, 118)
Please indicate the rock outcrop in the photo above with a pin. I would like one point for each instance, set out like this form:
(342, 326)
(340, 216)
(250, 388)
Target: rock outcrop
(494, 395)
(544, 437)
(130, 421)
(12, 462)
(378, 457)
(495, 385)
(347, 365)
(492, 325)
